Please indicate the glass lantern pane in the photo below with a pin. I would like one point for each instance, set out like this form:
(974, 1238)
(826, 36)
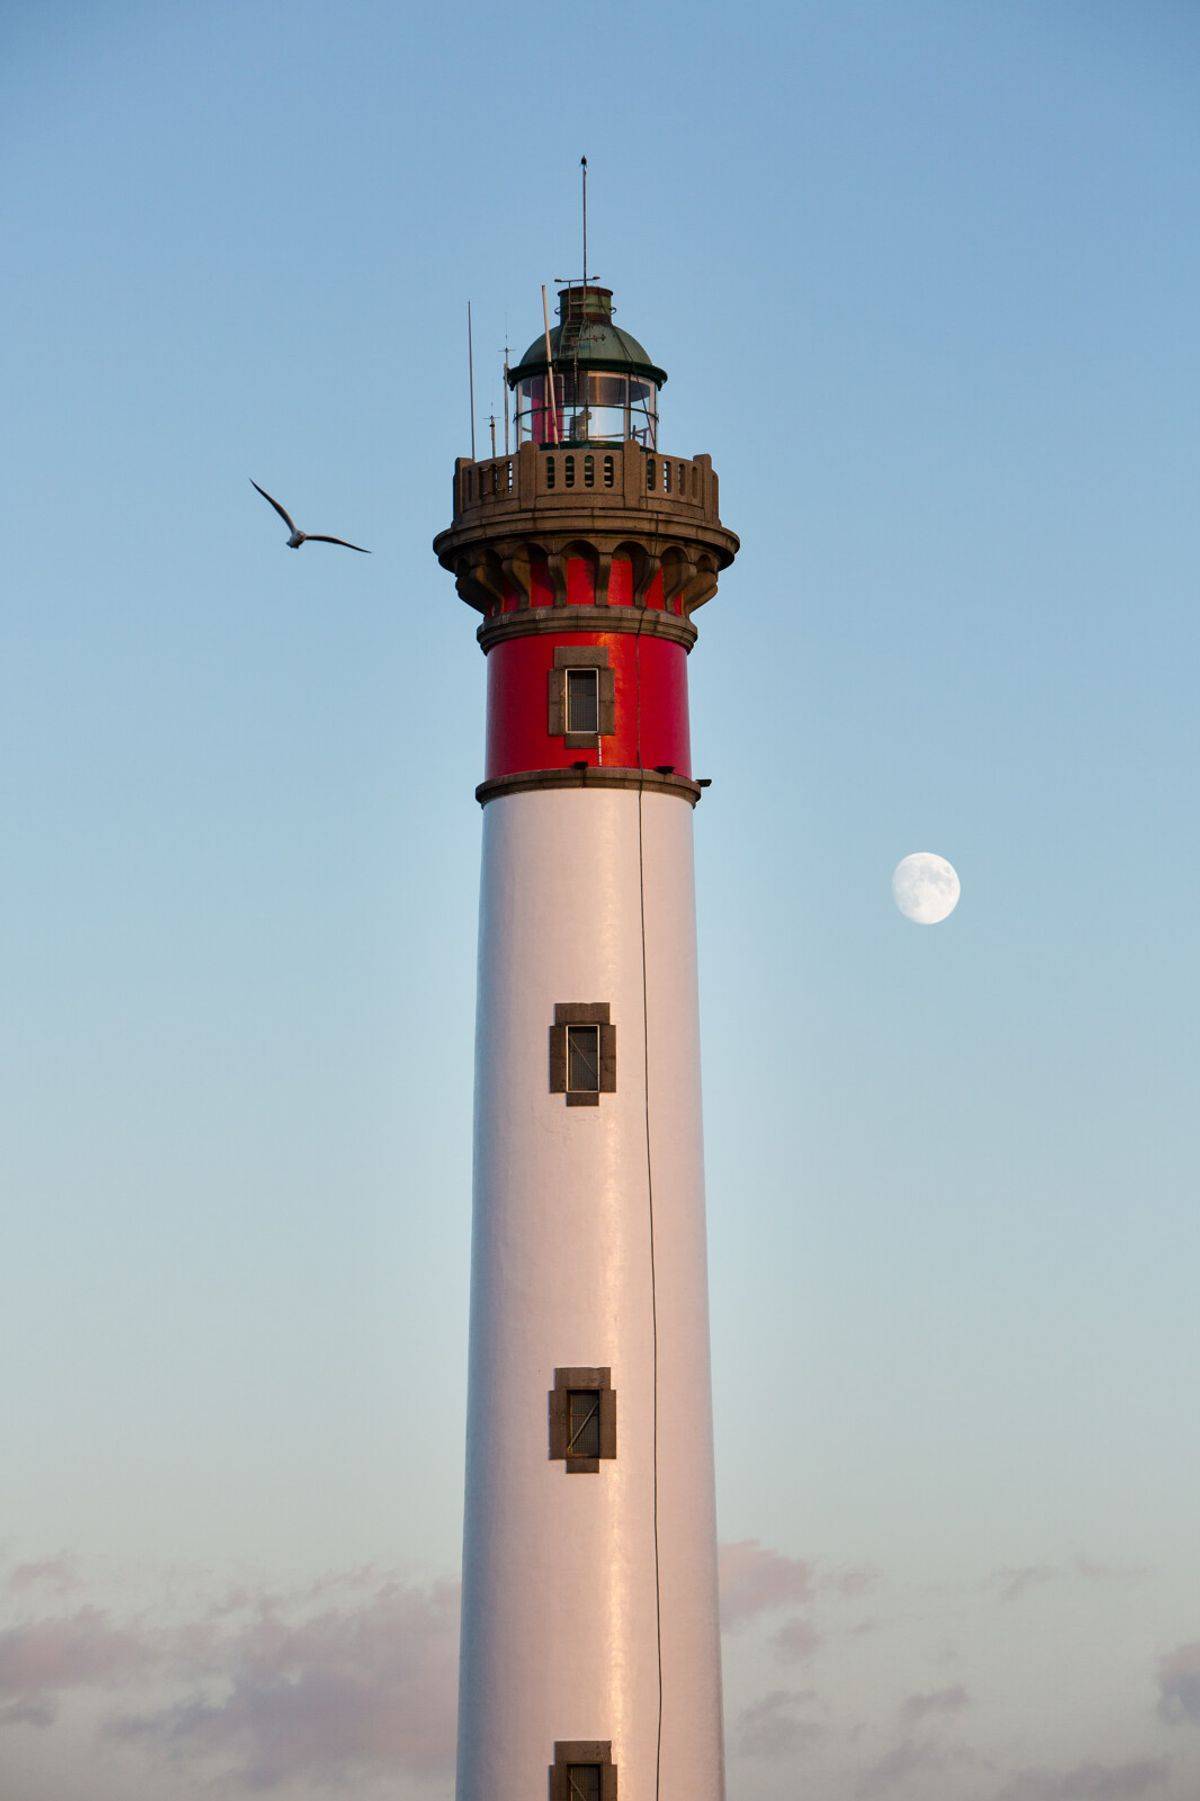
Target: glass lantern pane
(590, 406)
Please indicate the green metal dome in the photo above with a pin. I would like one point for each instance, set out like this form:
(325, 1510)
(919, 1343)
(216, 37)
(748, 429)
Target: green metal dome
(585, 334)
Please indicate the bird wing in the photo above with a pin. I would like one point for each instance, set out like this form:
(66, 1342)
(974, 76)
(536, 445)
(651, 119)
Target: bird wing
(282, 511)
(321, 538)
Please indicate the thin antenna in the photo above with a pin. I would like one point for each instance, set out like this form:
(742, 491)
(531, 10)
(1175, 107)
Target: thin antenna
(492, 424)
(550, 365)
(583, 166)
(506, 400)
(471, 376)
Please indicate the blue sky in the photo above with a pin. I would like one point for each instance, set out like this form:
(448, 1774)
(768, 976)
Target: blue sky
(924, 278)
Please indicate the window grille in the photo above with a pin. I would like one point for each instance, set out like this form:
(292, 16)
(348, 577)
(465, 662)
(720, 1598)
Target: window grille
(583, 1059)
(583, 1423)
(583, 1782)
(583, 700)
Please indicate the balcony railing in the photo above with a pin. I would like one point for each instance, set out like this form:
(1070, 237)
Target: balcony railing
(622, 476)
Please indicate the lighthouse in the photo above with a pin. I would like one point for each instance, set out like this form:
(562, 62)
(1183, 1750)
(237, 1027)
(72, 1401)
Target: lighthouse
(590, 1661)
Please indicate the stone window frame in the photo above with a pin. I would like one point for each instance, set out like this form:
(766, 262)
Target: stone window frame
(583, 1013)
(571, 1381)
(581, 656)
(568, 1752)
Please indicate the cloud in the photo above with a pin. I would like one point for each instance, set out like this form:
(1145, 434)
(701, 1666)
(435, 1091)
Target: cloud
(1091, 1571)
(913, 1756)
(83, 1650)
(1014, 1582)
(796, 1639)
(60, 1575)
(771, 1728)
(354, 1674)
(1179, 1685)
(908, 1758)
(348, 1690)
(936, 1701)
(1090, 1782)
(852, 1580)
(350, 1679)
(756, 1580)
(28, 1713)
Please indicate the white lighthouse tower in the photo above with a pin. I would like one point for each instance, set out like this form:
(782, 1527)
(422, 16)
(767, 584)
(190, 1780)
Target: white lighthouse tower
(590, 1648)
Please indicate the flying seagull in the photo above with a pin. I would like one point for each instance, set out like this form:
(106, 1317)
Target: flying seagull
(298, 537)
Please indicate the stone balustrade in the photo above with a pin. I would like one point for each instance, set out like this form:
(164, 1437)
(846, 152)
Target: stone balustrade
(624, 477)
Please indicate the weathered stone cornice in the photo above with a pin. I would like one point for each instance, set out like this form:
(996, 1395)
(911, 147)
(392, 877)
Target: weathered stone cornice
(645, 622)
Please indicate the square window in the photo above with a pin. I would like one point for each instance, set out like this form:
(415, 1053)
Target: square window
(583, 700)
(583, 1059)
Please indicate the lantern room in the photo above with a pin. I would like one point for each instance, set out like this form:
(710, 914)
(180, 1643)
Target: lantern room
(586, 381)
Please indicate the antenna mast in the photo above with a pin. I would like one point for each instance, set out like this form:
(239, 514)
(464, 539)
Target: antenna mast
(471, 377)
(505, 388)
(583, 166)
(550, 366)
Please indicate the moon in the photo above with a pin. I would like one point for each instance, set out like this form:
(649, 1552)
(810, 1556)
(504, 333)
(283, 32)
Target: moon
(925, 887)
